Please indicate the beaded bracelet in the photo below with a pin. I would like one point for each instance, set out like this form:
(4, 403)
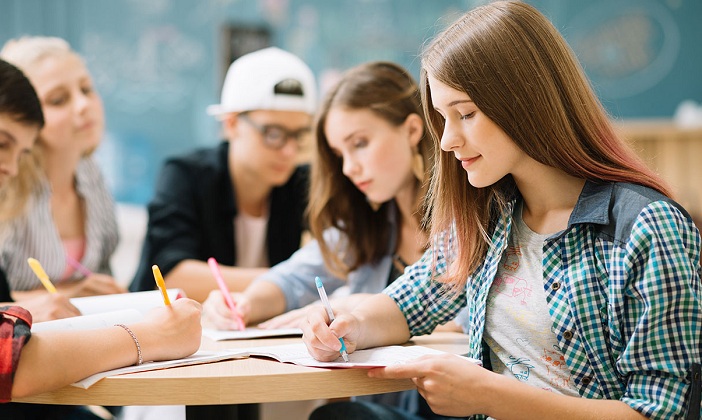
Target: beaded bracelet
(141, 360)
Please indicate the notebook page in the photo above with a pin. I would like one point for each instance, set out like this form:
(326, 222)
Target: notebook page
(90, 322)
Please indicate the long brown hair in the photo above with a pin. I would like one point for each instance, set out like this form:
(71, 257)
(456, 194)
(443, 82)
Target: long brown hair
(391, 93)
(521, 73)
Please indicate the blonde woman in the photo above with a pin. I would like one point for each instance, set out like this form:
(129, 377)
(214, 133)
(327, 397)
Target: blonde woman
(69, 224)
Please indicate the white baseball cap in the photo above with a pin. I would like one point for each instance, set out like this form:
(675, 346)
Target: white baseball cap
(267, 79)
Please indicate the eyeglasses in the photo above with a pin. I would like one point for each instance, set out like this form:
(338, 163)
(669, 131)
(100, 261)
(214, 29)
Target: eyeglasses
(276, 136)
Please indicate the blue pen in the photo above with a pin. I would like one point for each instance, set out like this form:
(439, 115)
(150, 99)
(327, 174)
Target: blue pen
(327, 306)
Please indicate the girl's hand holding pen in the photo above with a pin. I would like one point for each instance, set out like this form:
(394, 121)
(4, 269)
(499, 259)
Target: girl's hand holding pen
(322, 340)
(216, 313)
(170, 332)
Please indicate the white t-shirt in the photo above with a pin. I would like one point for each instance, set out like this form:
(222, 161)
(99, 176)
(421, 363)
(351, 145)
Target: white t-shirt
(517, 321)
(250, 237)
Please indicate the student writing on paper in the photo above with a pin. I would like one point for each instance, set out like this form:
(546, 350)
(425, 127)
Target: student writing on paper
(35, 363)
(577, 269)
(372, 158)
(242, 201)
(70, 215)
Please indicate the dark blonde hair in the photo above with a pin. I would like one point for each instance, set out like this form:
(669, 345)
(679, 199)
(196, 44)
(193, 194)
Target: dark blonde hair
(391, 93)
(521, 73)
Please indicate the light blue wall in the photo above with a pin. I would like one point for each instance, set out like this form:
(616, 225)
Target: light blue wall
(157, 62)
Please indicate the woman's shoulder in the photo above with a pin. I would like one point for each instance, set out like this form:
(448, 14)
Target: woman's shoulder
(630, 200)
(88, 172)
(635, 208)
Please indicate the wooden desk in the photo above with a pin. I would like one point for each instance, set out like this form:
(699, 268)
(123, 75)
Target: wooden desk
(252, 380)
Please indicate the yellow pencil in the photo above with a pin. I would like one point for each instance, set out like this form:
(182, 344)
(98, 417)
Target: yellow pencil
(41, 274)
(161, 284)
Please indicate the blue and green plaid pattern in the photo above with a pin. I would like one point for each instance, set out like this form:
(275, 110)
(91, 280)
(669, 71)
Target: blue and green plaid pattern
(623, 288)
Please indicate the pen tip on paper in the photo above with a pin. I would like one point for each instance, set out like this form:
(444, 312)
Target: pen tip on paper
(345, 356)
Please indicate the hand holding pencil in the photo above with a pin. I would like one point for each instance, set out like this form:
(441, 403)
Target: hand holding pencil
(323, 337)
(238, 322)
(217, 314)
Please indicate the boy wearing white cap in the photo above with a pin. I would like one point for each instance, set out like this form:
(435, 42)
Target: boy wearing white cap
(241, 202)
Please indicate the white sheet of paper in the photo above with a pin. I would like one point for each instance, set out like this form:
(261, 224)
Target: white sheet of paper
(141, 301)
(248, 333)
(90, 322)
(197, 358)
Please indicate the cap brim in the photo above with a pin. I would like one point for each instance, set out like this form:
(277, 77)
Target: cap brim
(216, 110)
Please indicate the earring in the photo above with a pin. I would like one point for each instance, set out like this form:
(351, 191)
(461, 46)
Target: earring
(418, 166)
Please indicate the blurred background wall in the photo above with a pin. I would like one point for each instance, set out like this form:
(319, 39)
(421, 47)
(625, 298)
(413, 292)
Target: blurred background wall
(159, 63)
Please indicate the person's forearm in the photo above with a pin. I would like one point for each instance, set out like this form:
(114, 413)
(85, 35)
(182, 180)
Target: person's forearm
(265, 300)
(382, 322)
(195, 278)
(53, 359)
(21, 295)
(507, 398)
(348, 303)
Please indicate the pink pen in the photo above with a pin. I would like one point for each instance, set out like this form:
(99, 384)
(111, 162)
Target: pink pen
(214, 267)
(78, 266)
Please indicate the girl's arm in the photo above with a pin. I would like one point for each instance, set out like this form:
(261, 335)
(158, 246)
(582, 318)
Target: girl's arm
(52, 359)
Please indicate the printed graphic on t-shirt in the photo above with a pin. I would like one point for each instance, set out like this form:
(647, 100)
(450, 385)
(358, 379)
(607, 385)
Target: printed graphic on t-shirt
(517, 324)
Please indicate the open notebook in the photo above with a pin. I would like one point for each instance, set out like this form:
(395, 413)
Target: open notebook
(141, 301)
(368, 358)
(287, 353)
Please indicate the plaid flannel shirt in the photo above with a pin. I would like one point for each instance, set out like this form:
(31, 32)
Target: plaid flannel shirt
(14, 333)
(623, 289)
